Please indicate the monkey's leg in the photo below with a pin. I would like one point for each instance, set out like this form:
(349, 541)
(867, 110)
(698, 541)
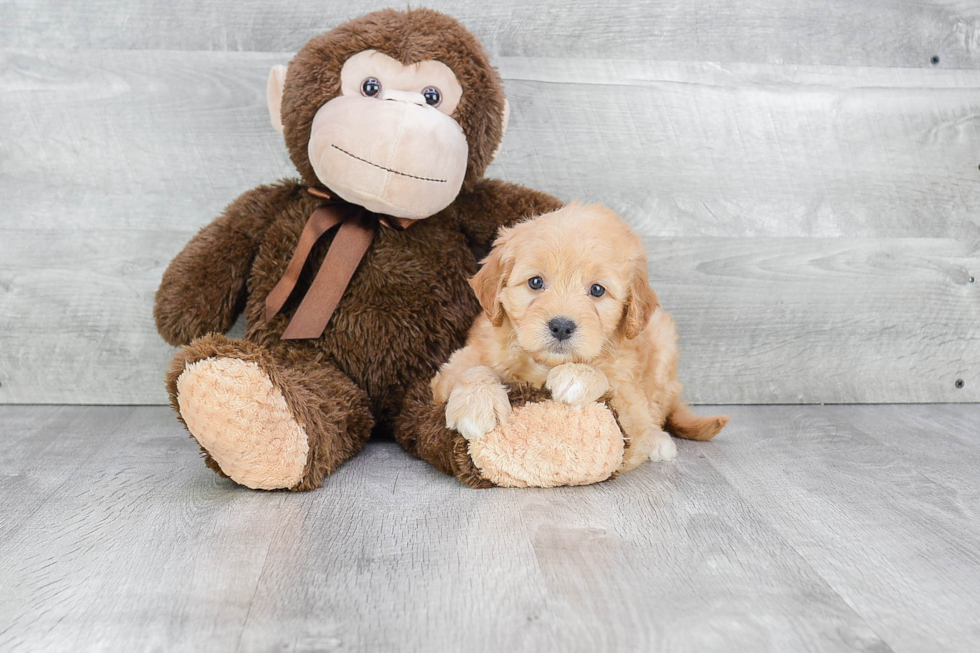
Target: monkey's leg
(544, 443)
(264, 421)
(420, 428)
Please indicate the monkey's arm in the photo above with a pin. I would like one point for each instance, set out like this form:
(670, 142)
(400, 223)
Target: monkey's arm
(203, 289)
(492, 204)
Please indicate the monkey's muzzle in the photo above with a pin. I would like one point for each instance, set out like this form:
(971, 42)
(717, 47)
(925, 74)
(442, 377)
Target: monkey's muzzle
(391, 157)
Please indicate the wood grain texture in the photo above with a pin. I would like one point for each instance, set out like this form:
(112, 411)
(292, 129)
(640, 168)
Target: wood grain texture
(111, 159)
(762, 320)
(843, 485)
(799, 528)
(739, 150)
(805, 320)
(835, 32)
(149, 140)
(954, 463)
(76, 316)
(37, 458)
(140, 140)
(129, 537)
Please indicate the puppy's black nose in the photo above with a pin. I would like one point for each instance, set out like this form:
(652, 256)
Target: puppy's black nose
(561, 328)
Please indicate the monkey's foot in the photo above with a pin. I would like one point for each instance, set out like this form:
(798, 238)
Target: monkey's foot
(549, 444)
(543, 442)
(241, 420)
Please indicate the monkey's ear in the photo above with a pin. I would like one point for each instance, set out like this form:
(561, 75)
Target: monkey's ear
(504, 119)
(273, 95)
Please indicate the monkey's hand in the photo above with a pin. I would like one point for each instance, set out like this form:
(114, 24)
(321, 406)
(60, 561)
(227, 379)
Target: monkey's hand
(204, 288)
(576, 384)
(477, 404)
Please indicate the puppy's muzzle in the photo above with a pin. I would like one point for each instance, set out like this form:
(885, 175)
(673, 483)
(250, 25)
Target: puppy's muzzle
(561, 328)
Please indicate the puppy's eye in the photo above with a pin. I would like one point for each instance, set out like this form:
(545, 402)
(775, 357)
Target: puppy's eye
(596, 290)
(535, 283)
(370, 87)
(432, 96)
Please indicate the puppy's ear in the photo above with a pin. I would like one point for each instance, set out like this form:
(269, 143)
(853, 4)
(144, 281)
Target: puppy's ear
(641, 302)
(489, 281)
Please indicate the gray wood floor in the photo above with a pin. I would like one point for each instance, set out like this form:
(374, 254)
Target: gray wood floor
(799, 529)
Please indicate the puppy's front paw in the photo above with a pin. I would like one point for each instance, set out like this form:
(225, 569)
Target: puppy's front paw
(475, 409)
(576, 384)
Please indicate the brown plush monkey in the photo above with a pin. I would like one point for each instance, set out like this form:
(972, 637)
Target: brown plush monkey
(353, 279)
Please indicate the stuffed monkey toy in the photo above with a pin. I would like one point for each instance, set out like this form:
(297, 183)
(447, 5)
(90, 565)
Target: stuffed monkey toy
(353, 278)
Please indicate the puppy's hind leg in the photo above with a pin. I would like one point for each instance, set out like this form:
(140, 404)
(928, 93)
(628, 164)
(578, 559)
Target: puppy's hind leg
(682, 422)
(654, 445)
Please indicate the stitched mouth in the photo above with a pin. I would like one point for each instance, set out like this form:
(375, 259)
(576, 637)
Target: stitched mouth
(403, 174)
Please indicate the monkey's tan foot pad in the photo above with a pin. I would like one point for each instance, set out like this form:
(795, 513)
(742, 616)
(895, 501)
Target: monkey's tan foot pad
(241, 419)
(549, 444)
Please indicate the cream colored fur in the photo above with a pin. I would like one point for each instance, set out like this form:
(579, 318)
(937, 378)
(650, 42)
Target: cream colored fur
(542, 447)
(273, 95)
(622, 343)
(576, 384)
(478, 403)
(231, 407)
(411, 164)
(503, 129)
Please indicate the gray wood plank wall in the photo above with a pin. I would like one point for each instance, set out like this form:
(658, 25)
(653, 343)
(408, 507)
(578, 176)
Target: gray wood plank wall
(805, 175)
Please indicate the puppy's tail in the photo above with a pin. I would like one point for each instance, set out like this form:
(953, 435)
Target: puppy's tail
(683, 423)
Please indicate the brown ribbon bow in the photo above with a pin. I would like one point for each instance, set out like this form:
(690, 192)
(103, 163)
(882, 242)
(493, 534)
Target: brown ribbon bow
(356, 232)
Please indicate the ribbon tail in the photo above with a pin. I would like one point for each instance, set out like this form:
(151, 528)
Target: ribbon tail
(321, 221)
(345, 254)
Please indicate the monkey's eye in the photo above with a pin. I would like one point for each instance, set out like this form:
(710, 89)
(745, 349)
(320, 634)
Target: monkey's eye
(370, 87)
(596, 290)
(535, 283)
(432, 95)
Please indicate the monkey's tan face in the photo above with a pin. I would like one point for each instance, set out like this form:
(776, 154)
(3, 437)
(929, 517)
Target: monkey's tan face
(389, 142)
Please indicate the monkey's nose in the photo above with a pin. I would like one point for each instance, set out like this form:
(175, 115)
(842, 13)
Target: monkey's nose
(561, 328)
(405, 96)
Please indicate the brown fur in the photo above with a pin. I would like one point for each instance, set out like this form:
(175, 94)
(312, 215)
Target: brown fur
(408, 306)
(622, 342)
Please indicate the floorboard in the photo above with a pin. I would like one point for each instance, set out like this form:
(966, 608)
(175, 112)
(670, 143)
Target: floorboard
(843, 485)
(801, 528)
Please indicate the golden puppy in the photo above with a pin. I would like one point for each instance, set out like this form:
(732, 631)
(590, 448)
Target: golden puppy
(568, 305)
